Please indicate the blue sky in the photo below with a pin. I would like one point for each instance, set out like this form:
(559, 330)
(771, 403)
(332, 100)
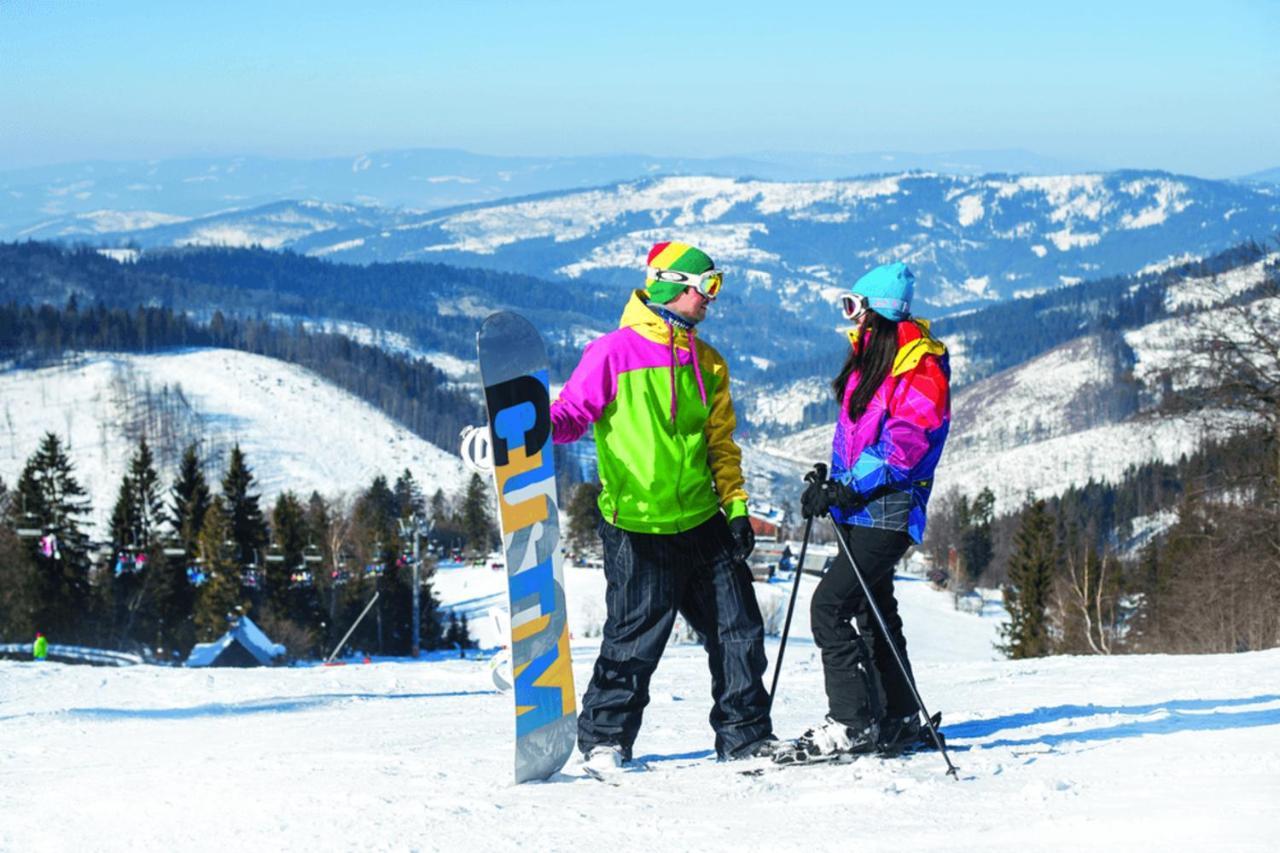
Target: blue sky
(1190, 87)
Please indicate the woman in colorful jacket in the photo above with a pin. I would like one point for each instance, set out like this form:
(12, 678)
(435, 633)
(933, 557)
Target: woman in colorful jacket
(895, 409)
(675, 529)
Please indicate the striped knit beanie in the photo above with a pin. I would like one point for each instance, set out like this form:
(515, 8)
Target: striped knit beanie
(680, 257)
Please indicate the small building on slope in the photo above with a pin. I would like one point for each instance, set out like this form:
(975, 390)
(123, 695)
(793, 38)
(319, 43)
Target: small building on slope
(243, 645)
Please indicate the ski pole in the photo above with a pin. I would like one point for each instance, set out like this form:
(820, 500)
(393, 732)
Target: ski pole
(817, 475)
(893, 647)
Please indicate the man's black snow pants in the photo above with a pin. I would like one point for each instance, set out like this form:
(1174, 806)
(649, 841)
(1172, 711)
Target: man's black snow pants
(864, 684)
(651, 577)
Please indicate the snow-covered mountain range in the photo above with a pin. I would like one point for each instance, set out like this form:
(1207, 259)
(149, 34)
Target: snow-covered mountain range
(1079, 404)
(971, 239)
(1039, 425)
(97, 197)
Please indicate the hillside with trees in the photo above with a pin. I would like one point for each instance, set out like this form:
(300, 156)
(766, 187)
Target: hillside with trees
(181, 562)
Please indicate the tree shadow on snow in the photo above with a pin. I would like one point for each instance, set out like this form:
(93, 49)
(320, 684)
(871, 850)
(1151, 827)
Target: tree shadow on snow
(235, 709)
(1180, 715)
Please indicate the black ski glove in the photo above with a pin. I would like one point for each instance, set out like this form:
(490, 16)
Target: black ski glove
(820, 497)
(744, 538)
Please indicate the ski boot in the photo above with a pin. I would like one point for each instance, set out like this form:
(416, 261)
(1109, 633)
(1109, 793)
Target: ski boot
(831, 741)
(900, 735)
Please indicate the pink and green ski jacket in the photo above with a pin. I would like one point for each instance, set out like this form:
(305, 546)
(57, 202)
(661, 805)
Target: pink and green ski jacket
(889, 454)
(663, 421)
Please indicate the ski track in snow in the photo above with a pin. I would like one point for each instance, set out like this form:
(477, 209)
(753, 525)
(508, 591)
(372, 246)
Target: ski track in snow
(1134, 753)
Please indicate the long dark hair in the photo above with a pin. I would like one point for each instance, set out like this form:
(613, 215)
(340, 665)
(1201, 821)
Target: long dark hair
(872, 358)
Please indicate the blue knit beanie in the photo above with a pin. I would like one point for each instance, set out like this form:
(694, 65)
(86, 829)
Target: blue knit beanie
(888, 289)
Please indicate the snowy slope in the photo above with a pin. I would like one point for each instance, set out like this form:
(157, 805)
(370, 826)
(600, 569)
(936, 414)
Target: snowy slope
(1080, 411)
(297, 431)
(780, 406)
(458, 370)
(977, 455)
(1132, 753)
(1044, 467)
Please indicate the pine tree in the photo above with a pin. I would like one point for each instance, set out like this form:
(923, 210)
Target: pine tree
(976, 547)
(328, 529)
(175, 595)
(378, 540)
(1026, 597)
(464, 633)
(445, 528)
(289, 527)
(219, 597)
(430, 623)
(190, 500)
(317, 520)
(17, 575)
(1153, 581)
(50, 499)
(135, 521)
(248, 526)
(147, 502)
(583, 513)
(409, 499)
(123, 516)
(477, 524)
(373, 515)
(439, 509)
(139, 509)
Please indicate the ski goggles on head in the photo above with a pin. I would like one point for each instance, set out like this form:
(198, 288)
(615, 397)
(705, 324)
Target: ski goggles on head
(707, 283)
(854, 305)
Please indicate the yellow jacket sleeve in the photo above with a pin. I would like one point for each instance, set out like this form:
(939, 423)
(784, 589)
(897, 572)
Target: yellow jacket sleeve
(723, 453)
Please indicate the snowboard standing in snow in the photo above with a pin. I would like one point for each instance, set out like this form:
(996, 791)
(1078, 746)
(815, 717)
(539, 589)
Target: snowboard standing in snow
(514, 371)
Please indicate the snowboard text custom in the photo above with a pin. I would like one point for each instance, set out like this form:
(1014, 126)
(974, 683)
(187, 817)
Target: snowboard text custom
(514, 371)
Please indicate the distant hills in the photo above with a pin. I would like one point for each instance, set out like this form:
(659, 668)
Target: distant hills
(1051, 389)
(1268, 176)
(119, 196)
(788, 246)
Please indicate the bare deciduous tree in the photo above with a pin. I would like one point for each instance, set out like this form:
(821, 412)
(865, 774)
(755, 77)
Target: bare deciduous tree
(1226, 359)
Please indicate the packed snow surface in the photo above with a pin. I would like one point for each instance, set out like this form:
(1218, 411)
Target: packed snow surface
(1126, 753)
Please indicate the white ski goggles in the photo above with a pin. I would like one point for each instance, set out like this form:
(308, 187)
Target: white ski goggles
(854, 305)
(707, 283)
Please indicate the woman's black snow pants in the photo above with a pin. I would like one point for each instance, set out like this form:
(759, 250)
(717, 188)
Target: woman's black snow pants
(864, 684)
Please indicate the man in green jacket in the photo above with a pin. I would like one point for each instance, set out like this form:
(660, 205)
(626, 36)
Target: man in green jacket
(674, 511)
(40, 649)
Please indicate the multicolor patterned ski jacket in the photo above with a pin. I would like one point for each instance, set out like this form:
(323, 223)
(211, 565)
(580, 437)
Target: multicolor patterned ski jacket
(663, 424)
(889, 455)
